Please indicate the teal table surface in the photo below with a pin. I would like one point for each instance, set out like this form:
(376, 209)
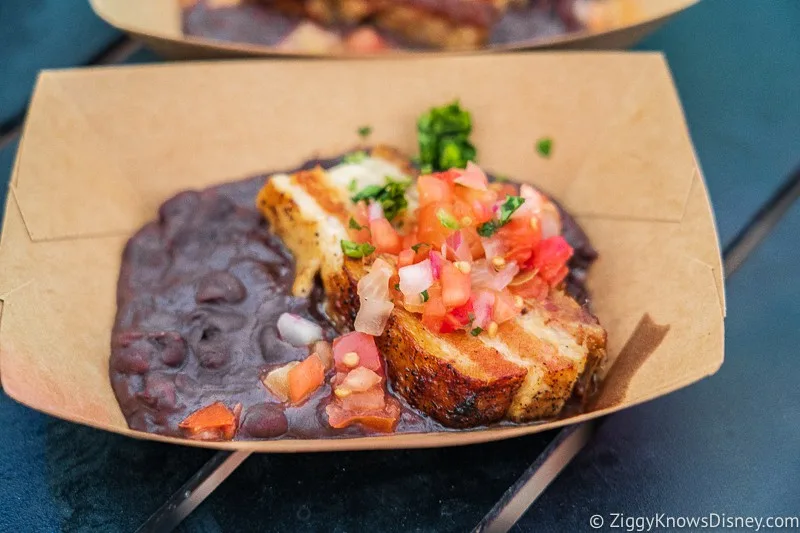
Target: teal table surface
(727, 445)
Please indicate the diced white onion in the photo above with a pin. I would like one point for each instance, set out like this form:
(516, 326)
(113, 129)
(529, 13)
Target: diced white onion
(458, 244)
(277, 381)
(484, 275)
(298, 331)
(375, 211)
(373, 292)
(493, 247)
(550, 221)
(360, 379)
(483, 309)
(416, 278)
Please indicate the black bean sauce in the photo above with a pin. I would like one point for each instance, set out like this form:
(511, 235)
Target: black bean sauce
(199, 295)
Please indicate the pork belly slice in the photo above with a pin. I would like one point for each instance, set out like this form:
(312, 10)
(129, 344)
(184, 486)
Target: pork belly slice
(526, 372)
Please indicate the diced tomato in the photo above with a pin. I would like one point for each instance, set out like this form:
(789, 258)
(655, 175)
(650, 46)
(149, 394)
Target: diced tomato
(385, 237)
(462, 209)
(505, 189)
(461, 314)
(361, 213)
(520, 239)
(475, 204)
(382, 420)
(406, 258)
(449, 176)
(370, 400)
(430, 229)
(305, 378)
(550, 258)
(434, 311)
(363, 345)
(361, 217)
(410, 238)
(432, 189)
(365, 40)
(535, 288)
(212, 422)
(474, 242)
(504, 307)
(456, 286)
(458, 318)
(449, 325)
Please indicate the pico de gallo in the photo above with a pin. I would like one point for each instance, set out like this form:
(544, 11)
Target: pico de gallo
(466, 260)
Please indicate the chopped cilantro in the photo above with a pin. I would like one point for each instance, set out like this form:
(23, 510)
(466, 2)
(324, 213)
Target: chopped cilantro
(544, 146)
(419, 245)
(512, 203)
(355, 225)
(370, 192)
(364, 131)
(476, 331)
(353, 185)
(446, 219)
(424, 295)
(443, 136)
(356, 250)
(355, 157)
(391, 196)
(487, 229)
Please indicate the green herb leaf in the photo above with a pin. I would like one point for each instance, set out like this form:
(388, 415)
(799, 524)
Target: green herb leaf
(355, 157)
(391, 196)
(397, 286)
(476, 331)
(443, 137)
(487, 229)
(419, 245)
(364, 131)
(544, 146)
(446, 219)
(356, 250)
(424, 295)
(508, 207)
(353, 185)
(355, 225)
(370, 192)
(512, 203)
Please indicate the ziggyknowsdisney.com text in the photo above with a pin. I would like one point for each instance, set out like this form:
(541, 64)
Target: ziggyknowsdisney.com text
(709, 521)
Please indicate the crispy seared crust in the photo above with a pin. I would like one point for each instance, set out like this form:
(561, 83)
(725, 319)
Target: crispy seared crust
(442, 388)
(466, 385)
(527, 372)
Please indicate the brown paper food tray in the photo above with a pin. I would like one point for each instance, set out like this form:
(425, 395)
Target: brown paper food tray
(616, 24)
(102, 148)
